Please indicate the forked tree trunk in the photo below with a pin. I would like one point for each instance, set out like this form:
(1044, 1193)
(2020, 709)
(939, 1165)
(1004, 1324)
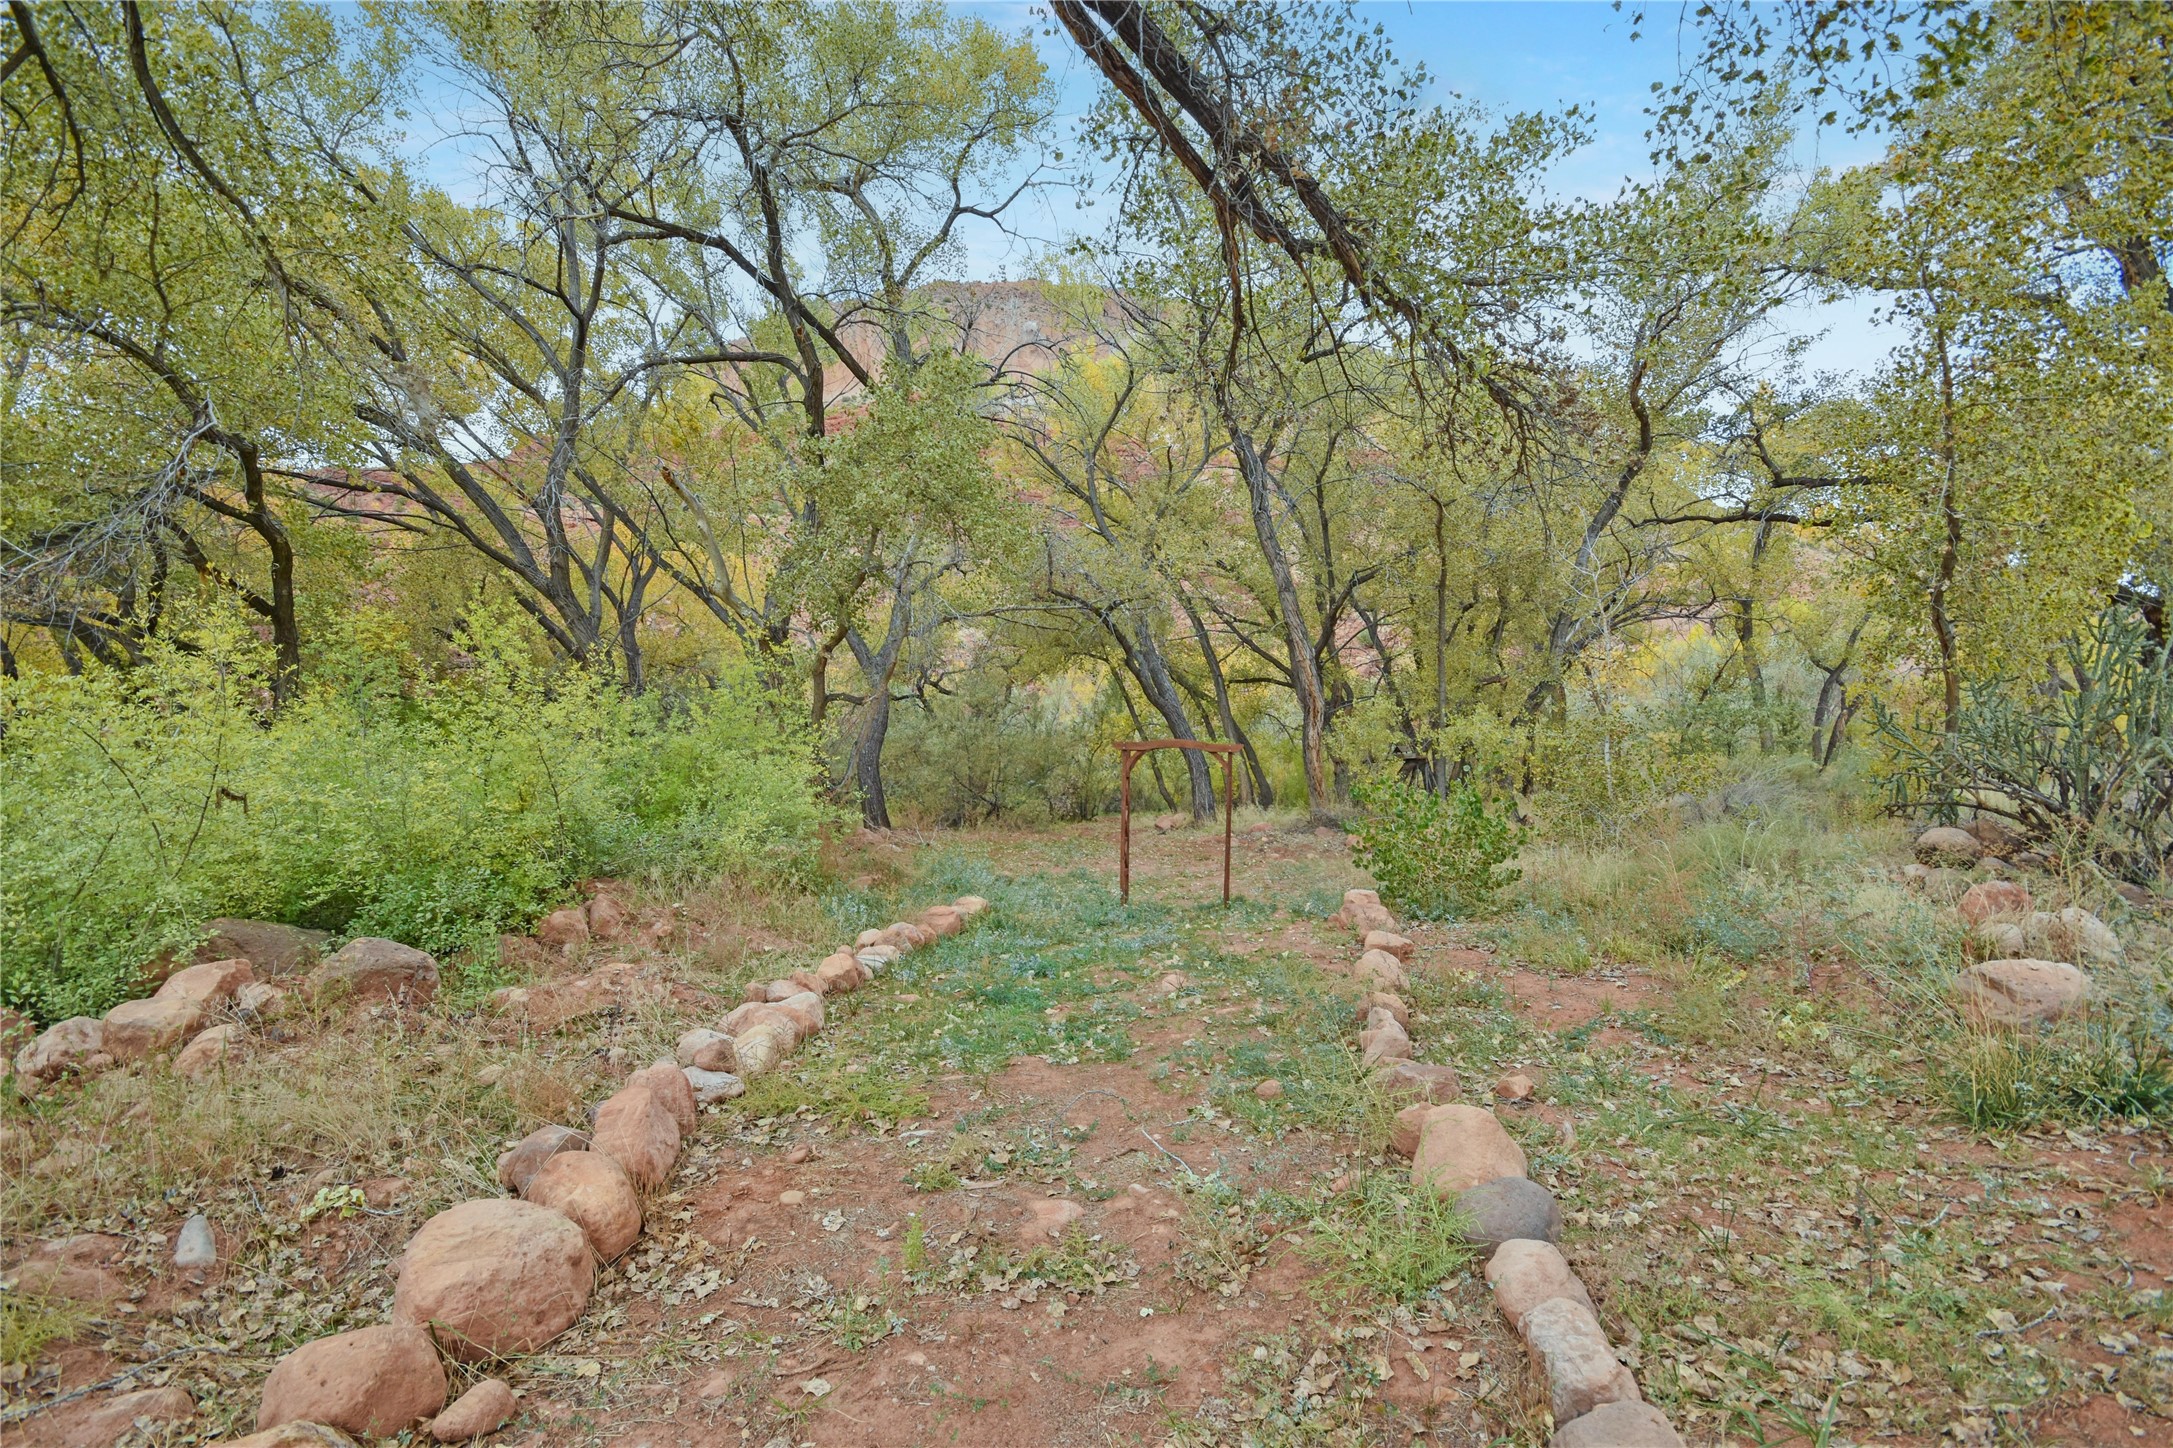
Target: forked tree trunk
(1304, 676)
(1144, 661)
(1263, 793)
(879, 667)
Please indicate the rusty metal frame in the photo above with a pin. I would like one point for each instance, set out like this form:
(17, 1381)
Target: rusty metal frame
(1130, 751)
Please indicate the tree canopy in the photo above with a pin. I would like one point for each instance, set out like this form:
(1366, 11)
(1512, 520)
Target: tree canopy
(1346, 440)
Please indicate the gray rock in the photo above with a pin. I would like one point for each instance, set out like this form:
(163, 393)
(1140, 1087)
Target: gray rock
(1945, 845)
(1999, 940)
(196, 1248)
(1508, 1209)
(2079, 936)
(1525, 1272)
(1948, 886)
(1617, 1425)
(710, 1087)
(259, 998)
(1575, 1359)
(707, 1050)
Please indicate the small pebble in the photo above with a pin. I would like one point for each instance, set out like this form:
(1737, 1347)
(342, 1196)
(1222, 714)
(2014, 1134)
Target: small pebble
(1268, 1090)
(1516, 1087)
(196, 1247)
(799, 1154)
(791, 1199)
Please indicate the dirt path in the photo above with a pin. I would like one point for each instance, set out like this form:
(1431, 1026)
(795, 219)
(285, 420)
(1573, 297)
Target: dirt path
(1059, 1251)
(1776, 1219)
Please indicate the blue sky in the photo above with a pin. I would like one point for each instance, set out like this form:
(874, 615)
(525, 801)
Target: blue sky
(1507, 55)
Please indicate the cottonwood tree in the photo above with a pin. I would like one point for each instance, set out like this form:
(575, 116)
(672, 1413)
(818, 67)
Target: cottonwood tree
(1126, 464)
(635, 372)
(2024, 265)
(1254, 165)
(173, 272)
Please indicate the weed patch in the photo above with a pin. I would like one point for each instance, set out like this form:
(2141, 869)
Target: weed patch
(28, 1321)
(1385, 1239)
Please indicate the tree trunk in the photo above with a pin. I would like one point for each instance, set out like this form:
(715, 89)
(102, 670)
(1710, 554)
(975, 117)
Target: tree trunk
(1417, 759)
(1950, 547)
(1139, 730)
(879, 667)
(1304, 676)
(1747, 637)
(1143, 660)
(1440, 764)
(279, 612)
(636, 663)
(1746, 647)
(1833, 700)
(1263, 793)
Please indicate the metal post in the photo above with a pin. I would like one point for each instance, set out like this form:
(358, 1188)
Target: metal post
(1228, 809)
(1124, 828)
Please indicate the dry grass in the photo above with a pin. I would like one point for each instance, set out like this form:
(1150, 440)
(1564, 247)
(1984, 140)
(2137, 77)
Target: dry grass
(385, 1098)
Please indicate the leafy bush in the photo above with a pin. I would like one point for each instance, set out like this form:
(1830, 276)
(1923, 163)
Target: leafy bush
(1435, 857)
(2080, 755)
(1600, 778)
(437, 810)
(1731, 917)
(994, 749)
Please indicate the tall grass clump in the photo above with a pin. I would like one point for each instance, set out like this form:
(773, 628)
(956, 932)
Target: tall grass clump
(1387, 1239)
(1770, 884)
(2113, 1063)
(439, 808)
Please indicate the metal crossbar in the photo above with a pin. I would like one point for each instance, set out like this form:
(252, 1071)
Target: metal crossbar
(1130, 751)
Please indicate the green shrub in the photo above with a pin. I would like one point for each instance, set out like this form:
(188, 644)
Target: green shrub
(29, 1321)
(439, 810)
(2080, 754)
(994, 749)
(2006, 1081)
(1731, 916)
(1434, 857)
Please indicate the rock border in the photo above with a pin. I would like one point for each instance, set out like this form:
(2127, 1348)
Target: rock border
(207, 1006)
(460, 1269)
(1463, 1150)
